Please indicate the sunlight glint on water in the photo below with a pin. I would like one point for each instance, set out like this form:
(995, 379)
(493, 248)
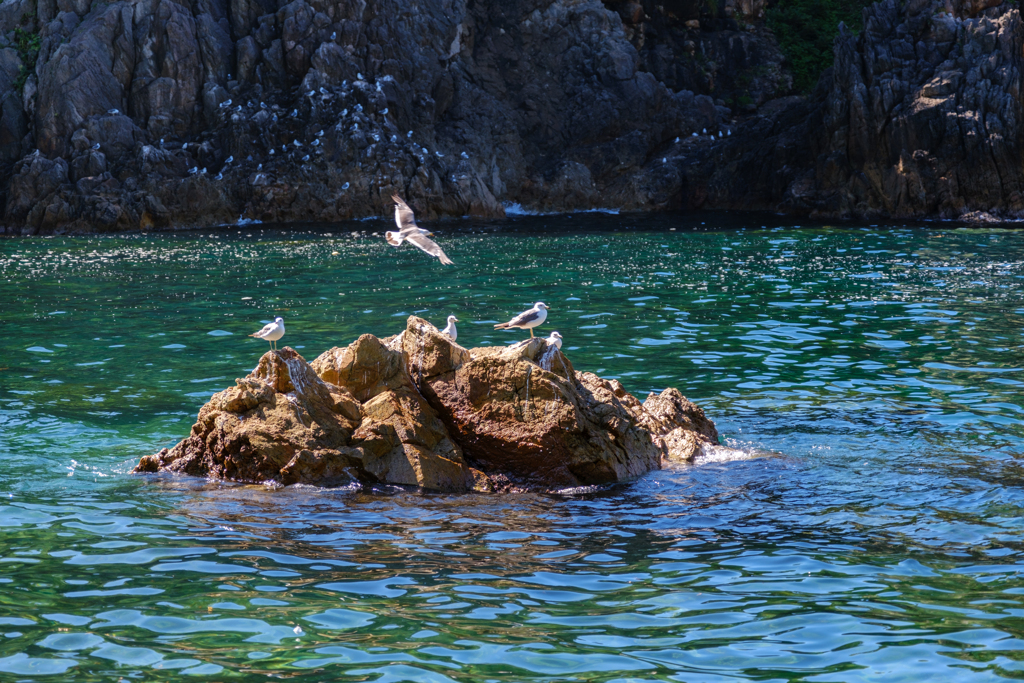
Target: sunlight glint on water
(870, 529)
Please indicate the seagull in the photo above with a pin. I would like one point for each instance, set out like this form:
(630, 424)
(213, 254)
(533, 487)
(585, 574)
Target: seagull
(96, 146)
(334, 36)
(113, 111)
(229, 160)
(450, 330)
(555, 340)
(705, 130)
(271, 332)
(409, 231)
(527, 320)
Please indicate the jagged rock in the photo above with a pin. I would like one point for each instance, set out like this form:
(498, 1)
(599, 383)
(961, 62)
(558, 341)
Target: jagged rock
(279, 424)
(420, 410)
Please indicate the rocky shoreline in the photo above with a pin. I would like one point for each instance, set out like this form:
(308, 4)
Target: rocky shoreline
(155, 114)
(419, 410)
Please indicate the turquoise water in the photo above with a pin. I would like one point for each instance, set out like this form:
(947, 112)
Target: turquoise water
(870, 528)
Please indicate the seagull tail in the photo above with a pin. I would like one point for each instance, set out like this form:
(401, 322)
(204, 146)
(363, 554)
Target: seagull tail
(501, 326)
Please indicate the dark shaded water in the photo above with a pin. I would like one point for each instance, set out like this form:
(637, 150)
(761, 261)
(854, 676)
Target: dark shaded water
(870, 531)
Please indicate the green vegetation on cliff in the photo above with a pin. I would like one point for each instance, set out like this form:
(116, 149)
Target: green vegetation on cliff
(806, 30)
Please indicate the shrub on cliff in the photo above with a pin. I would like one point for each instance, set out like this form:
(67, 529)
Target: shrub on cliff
(806, 30)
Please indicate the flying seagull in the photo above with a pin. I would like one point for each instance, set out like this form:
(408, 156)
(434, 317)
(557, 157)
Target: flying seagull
(271, 332)
(450, 330)
(555, 340)
(527, 320)
(408, 231)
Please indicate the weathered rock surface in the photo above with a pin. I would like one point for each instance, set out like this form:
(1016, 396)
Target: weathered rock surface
(420, 410)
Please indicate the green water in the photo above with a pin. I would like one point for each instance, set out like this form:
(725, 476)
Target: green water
(870, 528)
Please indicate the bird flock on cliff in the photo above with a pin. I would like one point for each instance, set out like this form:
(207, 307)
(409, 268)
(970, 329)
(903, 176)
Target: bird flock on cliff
(409, 231)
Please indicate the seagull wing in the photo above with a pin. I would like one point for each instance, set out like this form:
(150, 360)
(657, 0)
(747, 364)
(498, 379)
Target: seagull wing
(520, 320)
(404, 217)
(265, 331)
(428, 245)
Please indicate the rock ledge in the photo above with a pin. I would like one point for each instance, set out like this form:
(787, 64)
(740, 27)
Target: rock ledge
(417, 409)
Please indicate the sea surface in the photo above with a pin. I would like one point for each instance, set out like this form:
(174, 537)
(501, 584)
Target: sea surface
(867, 525)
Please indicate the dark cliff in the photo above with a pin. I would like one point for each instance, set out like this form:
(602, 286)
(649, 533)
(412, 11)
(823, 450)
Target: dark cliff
(162, 113)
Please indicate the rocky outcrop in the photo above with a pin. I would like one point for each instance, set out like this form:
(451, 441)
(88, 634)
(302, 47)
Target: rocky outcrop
(420, 410)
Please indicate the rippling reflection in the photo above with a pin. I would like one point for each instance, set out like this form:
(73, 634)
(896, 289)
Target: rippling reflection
(869, 376)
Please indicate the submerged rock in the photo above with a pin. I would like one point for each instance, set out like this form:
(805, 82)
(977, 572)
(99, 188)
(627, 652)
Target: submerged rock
(420, 410)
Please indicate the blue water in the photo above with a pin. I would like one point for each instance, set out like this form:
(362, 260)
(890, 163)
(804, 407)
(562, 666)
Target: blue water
(868, 528)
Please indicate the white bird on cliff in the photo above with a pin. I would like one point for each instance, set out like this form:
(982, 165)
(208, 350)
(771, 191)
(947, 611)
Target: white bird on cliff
(96, 146)
(229, 159)
(334, 36)
(408, 231)
(113, 111)
(450, 330)
(271, 332)
(321, 133)
(705, 130)
(527, 320)
(555, 340)
(694, 134)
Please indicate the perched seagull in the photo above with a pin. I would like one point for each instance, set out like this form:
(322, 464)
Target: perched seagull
(271, 332)
(450, 330)
(527, 320)
(410, 232)
(555, 340)
(113, 111)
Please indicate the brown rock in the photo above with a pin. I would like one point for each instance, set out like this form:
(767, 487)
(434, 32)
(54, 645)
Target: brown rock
(417, 409)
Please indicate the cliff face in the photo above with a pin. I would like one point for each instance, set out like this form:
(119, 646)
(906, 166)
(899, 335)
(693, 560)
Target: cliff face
(139, 113)
(193, 112)
(921, 116)
(419, 410)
